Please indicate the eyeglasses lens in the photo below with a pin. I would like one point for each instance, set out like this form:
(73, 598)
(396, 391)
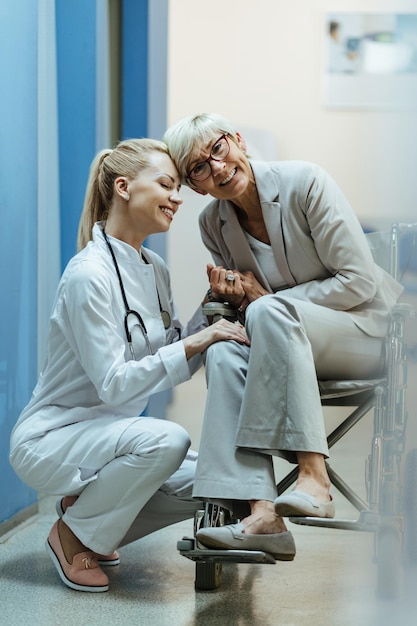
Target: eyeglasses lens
(219, 151)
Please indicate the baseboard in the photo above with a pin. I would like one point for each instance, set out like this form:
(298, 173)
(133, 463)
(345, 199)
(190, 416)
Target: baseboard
(21, 518)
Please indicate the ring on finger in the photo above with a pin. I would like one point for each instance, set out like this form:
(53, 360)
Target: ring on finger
(230, 277)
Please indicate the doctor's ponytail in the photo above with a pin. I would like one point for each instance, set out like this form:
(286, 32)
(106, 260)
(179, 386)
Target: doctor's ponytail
(94, 208)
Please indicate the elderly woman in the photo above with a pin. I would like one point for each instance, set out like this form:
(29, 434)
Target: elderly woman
(290, 253)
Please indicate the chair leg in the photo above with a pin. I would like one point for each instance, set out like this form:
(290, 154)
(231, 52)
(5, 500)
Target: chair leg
(287, 481)
(346, 490)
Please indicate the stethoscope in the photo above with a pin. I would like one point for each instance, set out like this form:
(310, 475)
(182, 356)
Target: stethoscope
(166, 318)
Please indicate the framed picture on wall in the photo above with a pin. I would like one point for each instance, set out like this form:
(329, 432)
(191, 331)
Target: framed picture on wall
(370, 60)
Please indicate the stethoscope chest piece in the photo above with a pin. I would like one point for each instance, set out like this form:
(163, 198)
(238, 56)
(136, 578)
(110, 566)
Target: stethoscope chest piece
(166, 319)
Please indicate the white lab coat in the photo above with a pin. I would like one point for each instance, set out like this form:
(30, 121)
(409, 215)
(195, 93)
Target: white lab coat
(88, 369)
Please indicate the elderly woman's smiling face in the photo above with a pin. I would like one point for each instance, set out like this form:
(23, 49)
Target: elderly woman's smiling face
(220, 168)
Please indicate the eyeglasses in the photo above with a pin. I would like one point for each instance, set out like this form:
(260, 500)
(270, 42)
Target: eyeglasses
(219, 152)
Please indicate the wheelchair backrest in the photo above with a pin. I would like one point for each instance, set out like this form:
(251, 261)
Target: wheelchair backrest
(380, 245)
(395, 250)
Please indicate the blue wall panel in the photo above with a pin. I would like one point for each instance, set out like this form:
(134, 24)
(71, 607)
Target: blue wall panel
(134, 87)
(18, 235)
(76, 59)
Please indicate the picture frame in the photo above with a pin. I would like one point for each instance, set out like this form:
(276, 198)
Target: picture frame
(370, 60)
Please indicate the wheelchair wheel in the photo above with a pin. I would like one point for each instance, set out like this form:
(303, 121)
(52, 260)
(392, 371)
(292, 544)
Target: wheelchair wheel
(389, 571)
(410, 506)
(389, 498)
(207, 576)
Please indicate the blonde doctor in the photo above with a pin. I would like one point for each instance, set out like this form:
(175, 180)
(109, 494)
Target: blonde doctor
(114, 340)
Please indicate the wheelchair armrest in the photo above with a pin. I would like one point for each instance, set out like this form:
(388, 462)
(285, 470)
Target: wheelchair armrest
(403, 310)
(217, 310)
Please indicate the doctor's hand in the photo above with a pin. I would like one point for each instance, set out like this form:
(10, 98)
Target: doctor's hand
(223, 330)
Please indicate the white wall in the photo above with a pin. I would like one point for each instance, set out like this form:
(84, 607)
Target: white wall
(260, 64)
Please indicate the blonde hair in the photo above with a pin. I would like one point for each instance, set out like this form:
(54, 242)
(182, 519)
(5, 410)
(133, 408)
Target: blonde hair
(128, 159)
(185, 138)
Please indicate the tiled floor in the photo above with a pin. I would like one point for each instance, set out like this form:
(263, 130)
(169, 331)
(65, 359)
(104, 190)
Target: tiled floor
(331, 581)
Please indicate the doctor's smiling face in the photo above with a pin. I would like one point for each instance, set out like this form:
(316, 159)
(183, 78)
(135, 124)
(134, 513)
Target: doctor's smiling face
(153, 194)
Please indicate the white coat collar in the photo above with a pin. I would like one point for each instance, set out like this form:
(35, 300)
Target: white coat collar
(125, 252)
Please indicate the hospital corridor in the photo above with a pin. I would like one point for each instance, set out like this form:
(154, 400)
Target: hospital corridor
(159, 160)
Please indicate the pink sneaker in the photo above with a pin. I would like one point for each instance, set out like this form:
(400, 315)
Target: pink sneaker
(83, 574)
(106, 560)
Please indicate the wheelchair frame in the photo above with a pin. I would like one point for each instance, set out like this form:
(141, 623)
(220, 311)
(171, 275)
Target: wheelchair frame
(390, 511)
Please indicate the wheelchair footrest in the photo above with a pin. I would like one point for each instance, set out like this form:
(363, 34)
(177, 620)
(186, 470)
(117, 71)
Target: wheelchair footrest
(362, 524)
(187, 547)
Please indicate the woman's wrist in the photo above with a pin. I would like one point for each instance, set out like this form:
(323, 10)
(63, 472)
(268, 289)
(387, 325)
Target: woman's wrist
(243, 305)
(211, 297)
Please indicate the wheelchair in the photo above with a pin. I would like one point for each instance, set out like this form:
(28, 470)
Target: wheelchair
(390, 509)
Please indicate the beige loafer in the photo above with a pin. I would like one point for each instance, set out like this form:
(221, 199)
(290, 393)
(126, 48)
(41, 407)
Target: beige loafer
(300, 504)
(233, 537)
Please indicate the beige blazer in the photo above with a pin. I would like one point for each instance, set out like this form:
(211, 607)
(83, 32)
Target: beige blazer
(318, 243)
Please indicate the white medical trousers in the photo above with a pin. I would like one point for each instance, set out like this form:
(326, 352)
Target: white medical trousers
(136, 476)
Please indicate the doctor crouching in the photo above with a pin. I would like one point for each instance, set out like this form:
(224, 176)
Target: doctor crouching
(114, 340)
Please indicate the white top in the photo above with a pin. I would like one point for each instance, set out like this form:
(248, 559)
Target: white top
(88, 369)
(266, 259)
